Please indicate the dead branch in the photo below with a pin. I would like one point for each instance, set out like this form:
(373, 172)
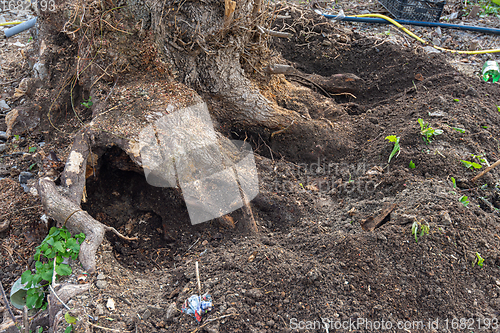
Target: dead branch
(488, 169)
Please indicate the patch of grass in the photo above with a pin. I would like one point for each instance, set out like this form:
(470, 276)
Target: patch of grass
(396, 149)
(427, 131)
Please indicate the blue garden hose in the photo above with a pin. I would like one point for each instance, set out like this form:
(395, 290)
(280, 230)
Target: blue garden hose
(417, 23)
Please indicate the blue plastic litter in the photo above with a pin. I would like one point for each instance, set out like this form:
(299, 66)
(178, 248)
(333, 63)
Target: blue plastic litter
(197, 306)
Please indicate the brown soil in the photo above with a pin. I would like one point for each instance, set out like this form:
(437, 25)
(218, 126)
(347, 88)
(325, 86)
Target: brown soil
(312, 260)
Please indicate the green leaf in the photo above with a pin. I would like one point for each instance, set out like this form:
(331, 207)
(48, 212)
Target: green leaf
(53, 231)
(69, 318)
(32, 166)
(32, 150)
(454, 182)
(461, 130)
(470, 165)
(438, 132)
(68, 329)
(421, 122)
(396, 148)
(63, 269)
(480, 260)
(456, 100)
(391, 138)
(26, 277)
(47, 275)
(50, 241)
(59, 247)
(412, 165)
(464, 200)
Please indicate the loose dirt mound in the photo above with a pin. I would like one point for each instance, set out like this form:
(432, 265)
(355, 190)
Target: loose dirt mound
(313, 261)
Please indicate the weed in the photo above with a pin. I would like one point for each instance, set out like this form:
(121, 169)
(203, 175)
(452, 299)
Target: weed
(498, 108)
(32, 150)
(57, 245)
(412, 165)
(489, 9)
(456, 100)
(464, 200)
(454, 182)
(87, 103)
(479, 260)
(32, 166)
(30, 39)
(481, 159)
(424, 229)
(427, 131)
(396, 149)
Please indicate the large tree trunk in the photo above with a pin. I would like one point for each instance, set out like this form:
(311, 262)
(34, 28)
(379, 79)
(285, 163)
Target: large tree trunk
(142, 61)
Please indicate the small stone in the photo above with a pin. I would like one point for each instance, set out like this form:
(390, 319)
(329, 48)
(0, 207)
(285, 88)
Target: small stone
(101, 276)
(101, 284)
(110, 304)
(3, 136)
(326, 43)
(3, 147)
(99, 309)
(254, 293)
(171, 312)
(25, 176)
(4, 106)
(430, 49)
(146, 314)
(204, 243)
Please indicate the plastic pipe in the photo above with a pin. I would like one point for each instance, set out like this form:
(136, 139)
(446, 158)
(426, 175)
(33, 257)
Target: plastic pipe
(20, 28)
(417, 23)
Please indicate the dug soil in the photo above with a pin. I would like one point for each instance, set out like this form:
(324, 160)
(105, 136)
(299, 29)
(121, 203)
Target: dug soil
(313, 262)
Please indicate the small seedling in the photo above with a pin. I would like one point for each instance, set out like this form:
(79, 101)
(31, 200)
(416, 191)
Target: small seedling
(454, 182)
(427, 131)
(458, 129)
(87, 103)
(485, 127)
(498, 108)
(470, 165)
(481, 159)
(17, 137)
(32, 149)
(456, 100)
(464, 200)
(412, 165)
(479, 260)
(32, 166)
(57, 245)
(424, 229)
(70, 320)
(30, 39)
(396, 149)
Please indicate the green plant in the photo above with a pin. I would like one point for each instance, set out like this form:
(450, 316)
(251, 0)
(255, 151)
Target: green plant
(70, 320)
(498, 108)
(412, 165)
(424, 229)
(479, 260)
(57, 245)
(489, 9)
(427, 131)
(396, 149)
(458, 129)
(17, 137)
(454, 182)
(470, 165)
(456, 100)
(32, 166)
(30, 39)
(464, 200)
(87, 103)
(32, 150)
